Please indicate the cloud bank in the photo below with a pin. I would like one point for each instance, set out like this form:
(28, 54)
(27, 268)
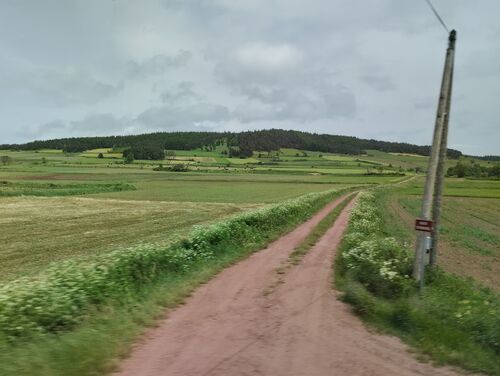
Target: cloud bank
(369, 69)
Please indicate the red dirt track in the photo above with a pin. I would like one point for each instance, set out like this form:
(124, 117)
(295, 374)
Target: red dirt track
(235, 325)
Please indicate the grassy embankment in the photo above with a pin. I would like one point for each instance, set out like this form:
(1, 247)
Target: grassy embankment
(454, 321)
(77, 317)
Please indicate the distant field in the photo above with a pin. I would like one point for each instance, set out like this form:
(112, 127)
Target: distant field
(455, 187)
(217, 191)
(470, 231)
(39, 230)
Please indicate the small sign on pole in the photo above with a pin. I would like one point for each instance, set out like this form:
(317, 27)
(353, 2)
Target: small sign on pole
(423, 225)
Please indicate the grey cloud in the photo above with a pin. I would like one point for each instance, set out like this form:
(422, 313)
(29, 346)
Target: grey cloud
(284, 86)
(158, 64)
(52, 125)
(377, 82)
(47, 128)
(310, 104)
(181, 93)
(91, 124)
(97, 123)
(202, 10)
(64, 87)
(425, 103)
(183, 117)
(320, 65)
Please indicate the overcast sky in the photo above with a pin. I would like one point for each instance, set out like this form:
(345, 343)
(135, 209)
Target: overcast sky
(366, 68)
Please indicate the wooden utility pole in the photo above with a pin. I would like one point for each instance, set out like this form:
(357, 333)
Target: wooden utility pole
(431, 205)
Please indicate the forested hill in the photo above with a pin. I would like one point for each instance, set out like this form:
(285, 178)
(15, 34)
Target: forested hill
(244, 142)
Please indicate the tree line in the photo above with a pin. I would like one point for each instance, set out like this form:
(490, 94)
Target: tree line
(274, 139)
(473, 169)
(240, 144)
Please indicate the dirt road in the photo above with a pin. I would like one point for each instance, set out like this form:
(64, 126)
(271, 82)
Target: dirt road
(233, 326)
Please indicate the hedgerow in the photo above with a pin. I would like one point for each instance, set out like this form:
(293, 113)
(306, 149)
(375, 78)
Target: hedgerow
(65, 294)
(380, 263)
(453, 319)
(10, 189)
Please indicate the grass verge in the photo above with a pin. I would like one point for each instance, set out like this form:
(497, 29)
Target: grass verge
(454, 321)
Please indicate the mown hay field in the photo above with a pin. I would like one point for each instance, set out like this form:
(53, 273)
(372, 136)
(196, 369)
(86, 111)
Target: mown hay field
(37, 231)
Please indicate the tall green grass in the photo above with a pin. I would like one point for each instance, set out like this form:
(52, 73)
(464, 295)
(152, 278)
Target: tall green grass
(454, 321)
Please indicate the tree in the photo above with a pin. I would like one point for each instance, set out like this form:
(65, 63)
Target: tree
(460, 170)
(242, 152)
(100, 156)
(170, 154)
(44, 160)
(129, 156)
(179, 168)
(149, 152)
(5, 159)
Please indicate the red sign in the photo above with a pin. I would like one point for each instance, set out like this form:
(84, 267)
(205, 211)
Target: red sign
(423, 225)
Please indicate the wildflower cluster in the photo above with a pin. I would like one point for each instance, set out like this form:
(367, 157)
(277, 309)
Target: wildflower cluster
(380, 263)
(64, 295)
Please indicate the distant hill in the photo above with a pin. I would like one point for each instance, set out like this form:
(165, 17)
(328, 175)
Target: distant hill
(240, 143)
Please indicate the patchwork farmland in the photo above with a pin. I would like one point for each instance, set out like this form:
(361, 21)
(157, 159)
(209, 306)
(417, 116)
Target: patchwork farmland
(92, 235)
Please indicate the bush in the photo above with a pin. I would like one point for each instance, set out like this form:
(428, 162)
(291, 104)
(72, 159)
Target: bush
(178, 167)
(379, 263)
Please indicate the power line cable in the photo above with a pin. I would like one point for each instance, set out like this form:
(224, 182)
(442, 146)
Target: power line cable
(437, 15)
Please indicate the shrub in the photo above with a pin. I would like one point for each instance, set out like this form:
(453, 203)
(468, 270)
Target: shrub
(381, 264)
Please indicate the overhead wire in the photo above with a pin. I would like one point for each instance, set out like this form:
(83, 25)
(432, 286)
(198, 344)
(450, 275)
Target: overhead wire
(437, 15)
